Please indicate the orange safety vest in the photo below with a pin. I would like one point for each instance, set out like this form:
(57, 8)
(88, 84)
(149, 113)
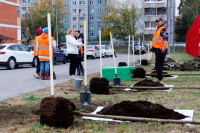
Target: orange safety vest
(43, 47)
(35, 42)
(81, 49)
(158, 40)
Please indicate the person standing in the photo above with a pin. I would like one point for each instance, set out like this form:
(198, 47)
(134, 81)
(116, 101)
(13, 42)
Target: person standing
(38, 32)
(72, 51)
(43, 54)
(80, 69)
(159, 47)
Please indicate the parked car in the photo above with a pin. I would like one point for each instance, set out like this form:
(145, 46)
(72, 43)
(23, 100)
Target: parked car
(12, 55)
(60, 56)
(92, 51)
(142, 48)
(105, 50)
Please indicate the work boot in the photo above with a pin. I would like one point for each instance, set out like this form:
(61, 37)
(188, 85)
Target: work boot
(46, 77)
(42, 75)
(82, 72)
(78, 71)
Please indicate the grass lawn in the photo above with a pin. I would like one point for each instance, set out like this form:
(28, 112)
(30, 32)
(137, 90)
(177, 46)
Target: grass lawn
(19, 114)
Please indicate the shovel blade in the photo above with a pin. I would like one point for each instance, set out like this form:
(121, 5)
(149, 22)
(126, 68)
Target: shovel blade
(85, 97)
(116, 81)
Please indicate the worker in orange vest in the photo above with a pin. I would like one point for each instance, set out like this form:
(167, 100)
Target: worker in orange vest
(43, 54)
(38, 32)
(159, 47)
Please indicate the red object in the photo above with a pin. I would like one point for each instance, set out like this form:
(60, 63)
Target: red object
(2, 52)
(90, 50)
(192, 39)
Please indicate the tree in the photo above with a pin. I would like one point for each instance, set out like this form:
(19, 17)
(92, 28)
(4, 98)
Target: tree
(188, 11)
(37, 17)
(120, 19)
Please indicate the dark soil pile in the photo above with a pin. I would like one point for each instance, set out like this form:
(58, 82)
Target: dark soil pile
(169, 60)
(149, 83)
(99, 86)
(144, 62)
(122, 64)
(141, 109)
(56, 112)
(185, 66)
(154, 74)
(139, 73)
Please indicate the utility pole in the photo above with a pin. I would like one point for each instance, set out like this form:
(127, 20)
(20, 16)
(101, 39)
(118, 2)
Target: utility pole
(56, 25)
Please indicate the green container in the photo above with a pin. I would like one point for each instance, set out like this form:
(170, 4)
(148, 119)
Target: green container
(124, 73)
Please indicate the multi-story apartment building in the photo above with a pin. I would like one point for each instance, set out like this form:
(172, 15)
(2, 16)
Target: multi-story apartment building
(153, 9)
(10, 21)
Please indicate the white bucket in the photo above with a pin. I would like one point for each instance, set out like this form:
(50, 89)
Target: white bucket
(77, 83)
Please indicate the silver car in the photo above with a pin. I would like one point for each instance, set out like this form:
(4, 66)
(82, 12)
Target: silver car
(92, 51)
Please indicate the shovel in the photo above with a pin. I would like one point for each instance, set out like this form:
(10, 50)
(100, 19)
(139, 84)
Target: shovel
(116, 80)
(85, 97)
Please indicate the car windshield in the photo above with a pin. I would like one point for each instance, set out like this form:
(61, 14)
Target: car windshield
(102, 47)
(1, 47)
(63, 47)
(137, 43)
(90, 47)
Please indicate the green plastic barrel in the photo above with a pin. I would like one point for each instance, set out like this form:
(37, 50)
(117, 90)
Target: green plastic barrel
(124, 73)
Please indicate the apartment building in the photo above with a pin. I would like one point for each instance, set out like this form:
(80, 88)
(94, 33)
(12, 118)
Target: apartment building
(153, 9)
(10, 21)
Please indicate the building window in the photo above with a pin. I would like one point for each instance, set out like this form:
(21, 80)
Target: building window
(74, 26)
(18, 12)
(29, 1)
(147, 24)
(74, 3)
(99, 2)
(91, 34)
(74, 10)
(153, 24)
(91, 18)
(99, 26)
(91, 2)
(82, 18)
(24, 1)
(99, 10)
(99, 18)
(106, 10)
(74, 18)
(82, 10)
(24, 8)
(82, 2)
(150, 11)
(91, 26)
(91, 10)
(81, 26)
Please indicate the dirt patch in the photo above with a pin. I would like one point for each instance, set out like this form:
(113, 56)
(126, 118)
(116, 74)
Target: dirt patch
(154, 74)
(149, 83)
(99, 86)
(185, 66)
(139, 73)
(57, 112)
(141, 109)
(144, 62)
(122, 64)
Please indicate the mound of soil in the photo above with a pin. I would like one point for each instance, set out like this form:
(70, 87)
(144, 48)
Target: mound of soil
(56, 112)
(169, 60)
(149, 83)
(165, 74)
(99, 86)
(141, 109)
(144, 62)
(122, 64)
(139, 73)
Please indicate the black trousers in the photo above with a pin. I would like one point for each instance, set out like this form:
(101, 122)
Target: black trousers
(160, 58)
(38, 65)
(73, 63)
(80, 66)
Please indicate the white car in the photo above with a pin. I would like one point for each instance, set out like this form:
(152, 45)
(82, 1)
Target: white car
(105, 50)
(92, 51)
(12, 55)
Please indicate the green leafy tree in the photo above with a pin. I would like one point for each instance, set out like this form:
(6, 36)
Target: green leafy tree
(37, 17)
(120, 20)
(188, 11)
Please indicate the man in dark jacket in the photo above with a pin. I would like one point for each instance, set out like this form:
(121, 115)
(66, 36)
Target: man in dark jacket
(159, 47)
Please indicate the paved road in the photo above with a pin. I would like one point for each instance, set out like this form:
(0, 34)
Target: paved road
(20, 81)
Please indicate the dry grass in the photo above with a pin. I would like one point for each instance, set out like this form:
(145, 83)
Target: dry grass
(17, 114)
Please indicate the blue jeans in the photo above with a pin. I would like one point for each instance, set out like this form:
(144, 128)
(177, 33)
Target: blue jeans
(44, 66)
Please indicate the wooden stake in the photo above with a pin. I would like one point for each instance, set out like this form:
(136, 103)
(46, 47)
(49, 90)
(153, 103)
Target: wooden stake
(142, 119)
(129, 41)
(133, 51)
(100, 54)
